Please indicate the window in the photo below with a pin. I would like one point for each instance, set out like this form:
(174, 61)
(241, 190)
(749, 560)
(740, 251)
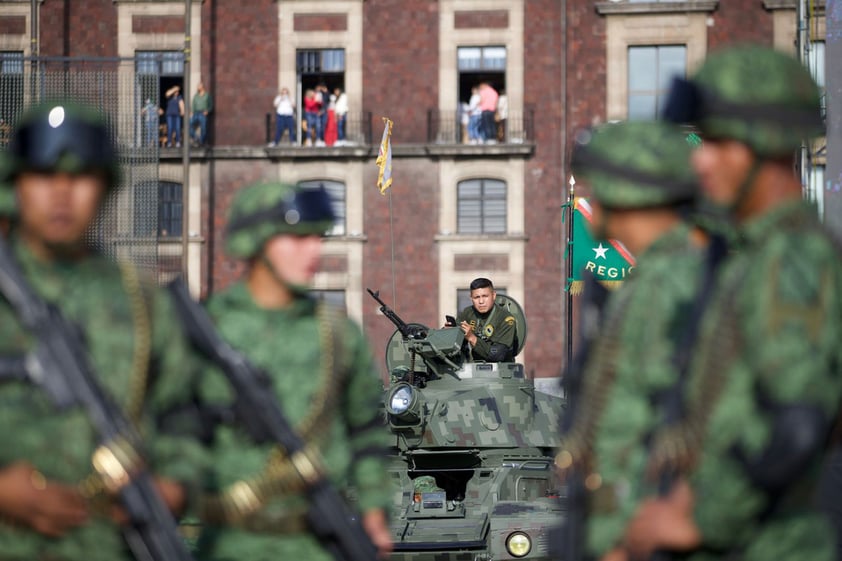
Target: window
(480, 64)
(335, 298)
(463, 297)
(336, 190)
(651, 70)
(481, 206)
(815, 62)
(157, 209)
(156, 72)
(11, 91)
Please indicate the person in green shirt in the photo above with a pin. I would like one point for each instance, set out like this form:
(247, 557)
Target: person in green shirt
(322, 374)
(61, 166)
(490, 329)
(201, 107)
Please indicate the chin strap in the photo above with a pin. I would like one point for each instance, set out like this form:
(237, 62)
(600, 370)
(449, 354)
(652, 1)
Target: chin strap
(746, 186)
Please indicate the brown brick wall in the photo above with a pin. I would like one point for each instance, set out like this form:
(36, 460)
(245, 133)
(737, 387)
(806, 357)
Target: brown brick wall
(487, 19)
(320, 22)
(158, 24)
(481, 262)
(79, 28)
(242, 68)
(12, 25)
(543, 186)
(740, 21)
(400, 71)
(228, 177)
(415, 204)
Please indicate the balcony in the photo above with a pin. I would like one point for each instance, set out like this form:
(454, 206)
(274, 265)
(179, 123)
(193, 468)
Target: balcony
(357, 132)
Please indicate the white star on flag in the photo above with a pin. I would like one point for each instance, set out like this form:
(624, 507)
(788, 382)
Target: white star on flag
(600, 251)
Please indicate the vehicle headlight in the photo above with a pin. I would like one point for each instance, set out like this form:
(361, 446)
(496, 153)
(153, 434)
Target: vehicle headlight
(403, 402)
(518, 544)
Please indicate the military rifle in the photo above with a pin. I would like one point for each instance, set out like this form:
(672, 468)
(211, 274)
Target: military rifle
(408, 331)
(59, 365)
(330, 519)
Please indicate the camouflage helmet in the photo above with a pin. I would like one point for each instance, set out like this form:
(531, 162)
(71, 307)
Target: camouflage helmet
(636, 164)
(61, 136)
(263, 210)
(756, 95)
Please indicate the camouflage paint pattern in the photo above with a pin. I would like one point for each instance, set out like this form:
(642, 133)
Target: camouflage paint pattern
(733, 75)
(91, 293)
(285, 343)
(783, 288)
(651, 148)
(473, 453)
(658, 293)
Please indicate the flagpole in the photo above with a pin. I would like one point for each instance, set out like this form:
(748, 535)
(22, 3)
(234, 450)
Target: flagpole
(392, 243)
(569, 271)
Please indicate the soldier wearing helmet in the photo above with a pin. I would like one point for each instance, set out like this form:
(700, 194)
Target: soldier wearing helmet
(323, 375)
(642, 188)
(766, 370)
(59, 167)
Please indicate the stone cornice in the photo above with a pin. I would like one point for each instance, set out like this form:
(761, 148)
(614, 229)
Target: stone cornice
(623, 8)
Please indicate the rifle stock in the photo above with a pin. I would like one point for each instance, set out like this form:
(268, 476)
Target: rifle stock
(60, 367)
(330, 518)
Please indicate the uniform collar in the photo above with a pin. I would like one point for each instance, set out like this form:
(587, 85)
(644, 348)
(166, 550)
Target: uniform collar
(756, 229)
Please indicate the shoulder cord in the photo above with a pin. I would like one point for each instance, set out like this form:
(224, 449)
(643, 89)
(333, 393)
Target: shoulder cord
(280, 476)
(92, 486)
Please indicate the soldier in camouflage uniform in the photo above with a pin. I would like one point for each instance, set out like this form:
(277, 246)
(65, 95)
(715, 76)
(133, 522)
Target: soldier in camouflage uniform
(323, 375)
(765, 376)
(489, 328)
(61, 167)
(641, 183)
(8, 206)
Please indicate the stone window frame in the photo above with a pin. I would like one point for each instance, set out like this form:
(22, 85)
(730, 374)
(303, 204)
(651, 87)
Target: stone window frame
(351, 40)
(450, 244)
(350, 245)
(626, 29)
(450, 39)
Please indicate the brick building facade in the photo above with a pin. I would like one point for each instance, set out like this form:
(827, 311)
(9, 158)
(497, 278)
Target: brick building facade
(564, 65)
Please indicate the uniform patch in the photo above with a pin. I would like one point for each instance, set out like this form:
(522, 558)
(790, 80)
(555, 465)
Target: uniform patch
(510, 320)
(488, 331)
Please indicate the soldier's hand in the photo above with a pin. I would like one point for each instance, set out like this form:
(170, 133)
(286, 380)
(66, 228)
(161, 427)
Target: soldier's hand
(469, 332)
(172, 493)
(664, 523)
(47, 507)
(374, 524)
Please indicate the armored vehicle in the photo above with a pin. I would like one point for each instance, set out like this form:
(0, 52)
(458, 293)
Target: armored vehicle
(473, 449)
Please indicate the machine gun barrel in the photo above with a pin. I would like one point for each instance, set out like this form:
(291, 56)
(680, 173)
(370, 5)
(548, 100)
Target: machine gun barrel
(408, 331)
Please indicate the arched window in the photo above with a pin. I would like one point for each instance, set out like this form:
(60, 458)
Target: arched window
(336, 190)
(481, 206)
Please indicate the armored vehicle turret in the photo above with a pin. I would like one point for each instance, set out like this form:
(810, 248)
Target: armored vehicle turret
(473, 448)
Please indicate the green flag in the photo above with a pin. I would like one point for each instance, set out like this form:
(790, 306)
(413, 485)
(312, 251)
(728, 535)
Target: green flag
(608, 260)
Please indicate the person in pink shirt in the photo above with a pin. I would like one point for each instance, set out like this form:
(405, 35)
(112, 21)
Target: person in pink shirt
(488, 105)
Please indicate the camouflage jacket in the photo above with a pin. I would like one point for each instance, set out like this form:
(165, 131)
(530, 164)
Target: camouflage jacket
(291, 346)
(495, 326)
(781, 293)
(95, 294)
(626, 366)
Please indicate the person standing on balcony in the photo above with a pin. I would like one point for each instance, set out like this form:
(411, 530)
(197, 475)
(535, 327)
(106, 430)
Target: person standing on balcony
(284, 117)
(202, 106)
(341, 110)
(311, 114)
(488, 106)
(474, 117)
(174, 112)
